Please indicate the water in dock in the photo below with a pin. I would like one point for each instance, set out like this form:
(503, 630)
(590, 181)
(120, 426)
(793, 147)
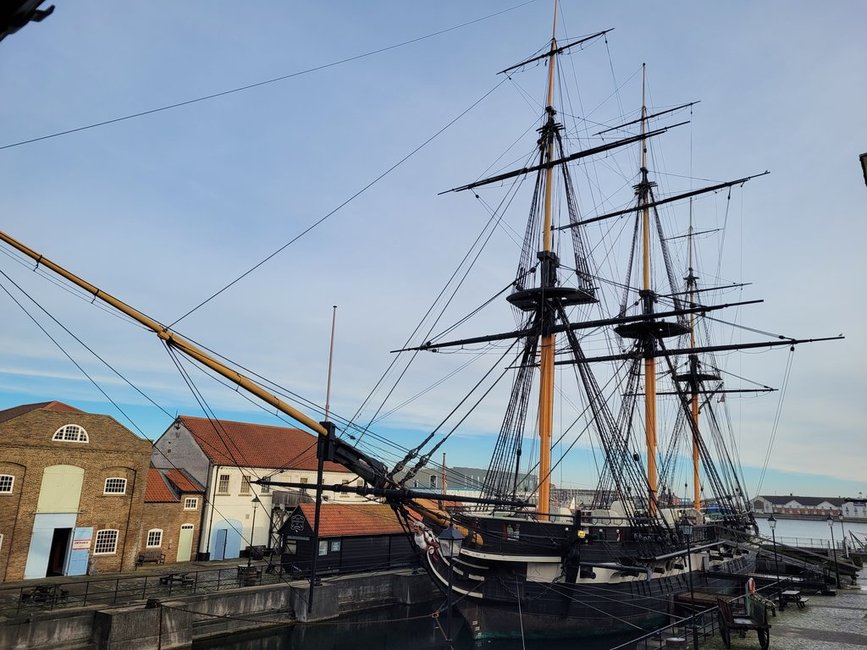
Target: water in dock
(390, 628)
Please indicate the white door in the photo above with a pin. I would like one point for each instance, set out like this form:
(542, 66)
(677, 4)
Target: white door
(185, 543)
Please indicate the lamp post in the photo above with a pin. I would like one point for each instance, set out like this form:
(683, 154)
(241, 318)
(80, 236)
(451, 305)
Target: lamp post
(772, 522)
(450, 541)
(834, 550)
(255, 502)
(685, 527)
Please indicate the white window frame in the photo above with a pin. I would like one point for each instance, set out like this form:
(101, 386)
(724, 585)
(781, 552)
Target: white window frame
(11, 483)
(228, 482)
(114, 492)
(187, 527)
(71, 433)
(157, 534)
(323, 547)
(245, 485)
(191, 503)
(105, 532)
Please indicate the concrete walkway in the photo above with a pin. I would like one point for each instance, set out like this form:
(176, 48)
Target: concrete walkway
(828, 623)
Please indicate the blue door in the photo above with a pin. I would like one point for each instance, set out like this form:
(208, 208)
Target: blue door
(78, 556)
(219, 552)
(226, 540)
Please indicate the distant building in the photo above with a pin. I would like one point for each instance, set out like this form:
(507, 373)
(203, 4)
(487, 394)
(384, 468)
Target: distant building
(172, 516)
(855, 508)
(226, 457)
(462, 480)
(798, 506)
(72, 488)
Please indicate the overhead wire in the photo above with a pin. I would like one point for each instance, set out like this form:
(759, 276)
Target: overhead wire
(265, 82)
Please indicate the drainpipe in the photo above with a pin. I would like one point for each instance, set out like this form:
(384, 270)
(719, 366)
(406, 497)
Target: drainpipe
(128, 519)
(214, 472)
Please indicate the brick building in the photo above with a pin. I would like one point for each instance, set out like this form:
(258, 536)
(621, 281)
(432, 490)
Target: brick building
(172, 515)
(72, 490)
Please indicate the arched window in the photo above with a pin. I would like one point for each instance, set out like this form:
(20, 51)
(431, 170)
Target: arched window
(70, 433)
(155, 538)
(115, 485)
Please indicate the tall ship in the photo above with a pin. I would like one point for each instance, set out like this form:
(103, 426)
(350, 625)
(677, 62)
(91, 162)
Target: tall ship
(624, 346)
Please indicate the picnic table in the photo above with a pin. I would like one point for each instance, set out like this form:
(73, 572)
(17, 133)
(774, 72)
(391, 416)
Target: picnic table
(792, 596)
(44, 595)
(183, 579)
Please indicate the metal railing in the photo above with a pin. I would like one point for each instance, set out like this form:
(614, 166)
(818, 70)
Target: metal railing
(706, 622)
(128, 589)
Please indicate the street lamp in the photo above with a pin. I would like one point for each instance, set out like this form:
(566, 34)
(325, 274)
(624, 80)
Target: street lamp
(772, 522)
(450, 541)
(685, 528)
(255, 502)
(834, 550)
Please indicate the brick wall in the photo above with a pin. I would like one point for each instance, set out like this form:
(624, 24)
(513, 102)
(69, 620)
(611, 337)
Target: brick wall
(169, 517)
(26, 449)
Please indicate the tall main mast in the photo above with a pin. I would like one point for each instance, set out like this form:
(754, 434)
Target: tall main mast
(546, 361)
(647, 305)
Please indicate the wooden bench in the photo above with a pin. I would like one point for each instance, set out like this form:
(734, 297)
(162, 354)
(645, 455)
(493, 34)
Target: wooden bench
(758, 621)
(156, 556)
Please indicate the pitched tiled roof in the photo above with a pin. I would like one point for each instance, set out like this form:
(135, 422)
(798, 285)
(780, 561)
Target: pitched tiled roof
(157, 490)
(183, 481)
(242, 444)
(17, 411)
(350, 520)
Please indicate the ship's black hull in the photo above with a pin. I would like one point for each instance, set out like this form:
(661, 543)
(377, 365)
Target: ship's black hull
(550, 611)
(497, 599)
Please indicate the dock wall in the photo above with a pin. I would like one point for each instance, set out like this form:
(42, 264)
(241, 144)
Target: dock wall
(176, 623)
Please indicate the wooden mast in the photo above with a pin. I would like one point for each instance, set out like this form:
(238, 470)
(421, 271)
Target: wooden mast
(646, 293)
(170, 338)
(546, 362)
(693, 367)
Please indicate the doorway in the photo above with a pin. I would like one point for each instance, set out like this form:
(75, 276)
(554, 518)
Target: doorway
(57, 554)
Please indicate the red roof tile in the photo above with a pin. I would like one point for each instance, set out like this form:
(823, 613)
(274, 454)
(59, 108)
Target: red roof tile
(183, 481)
(242, 444)
(16, 411)
(349, 520)
(156, 490)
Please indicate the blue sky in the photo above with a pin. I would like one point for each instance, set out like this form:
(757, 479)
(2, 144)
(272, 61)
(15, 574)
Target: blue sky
(165, 209)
